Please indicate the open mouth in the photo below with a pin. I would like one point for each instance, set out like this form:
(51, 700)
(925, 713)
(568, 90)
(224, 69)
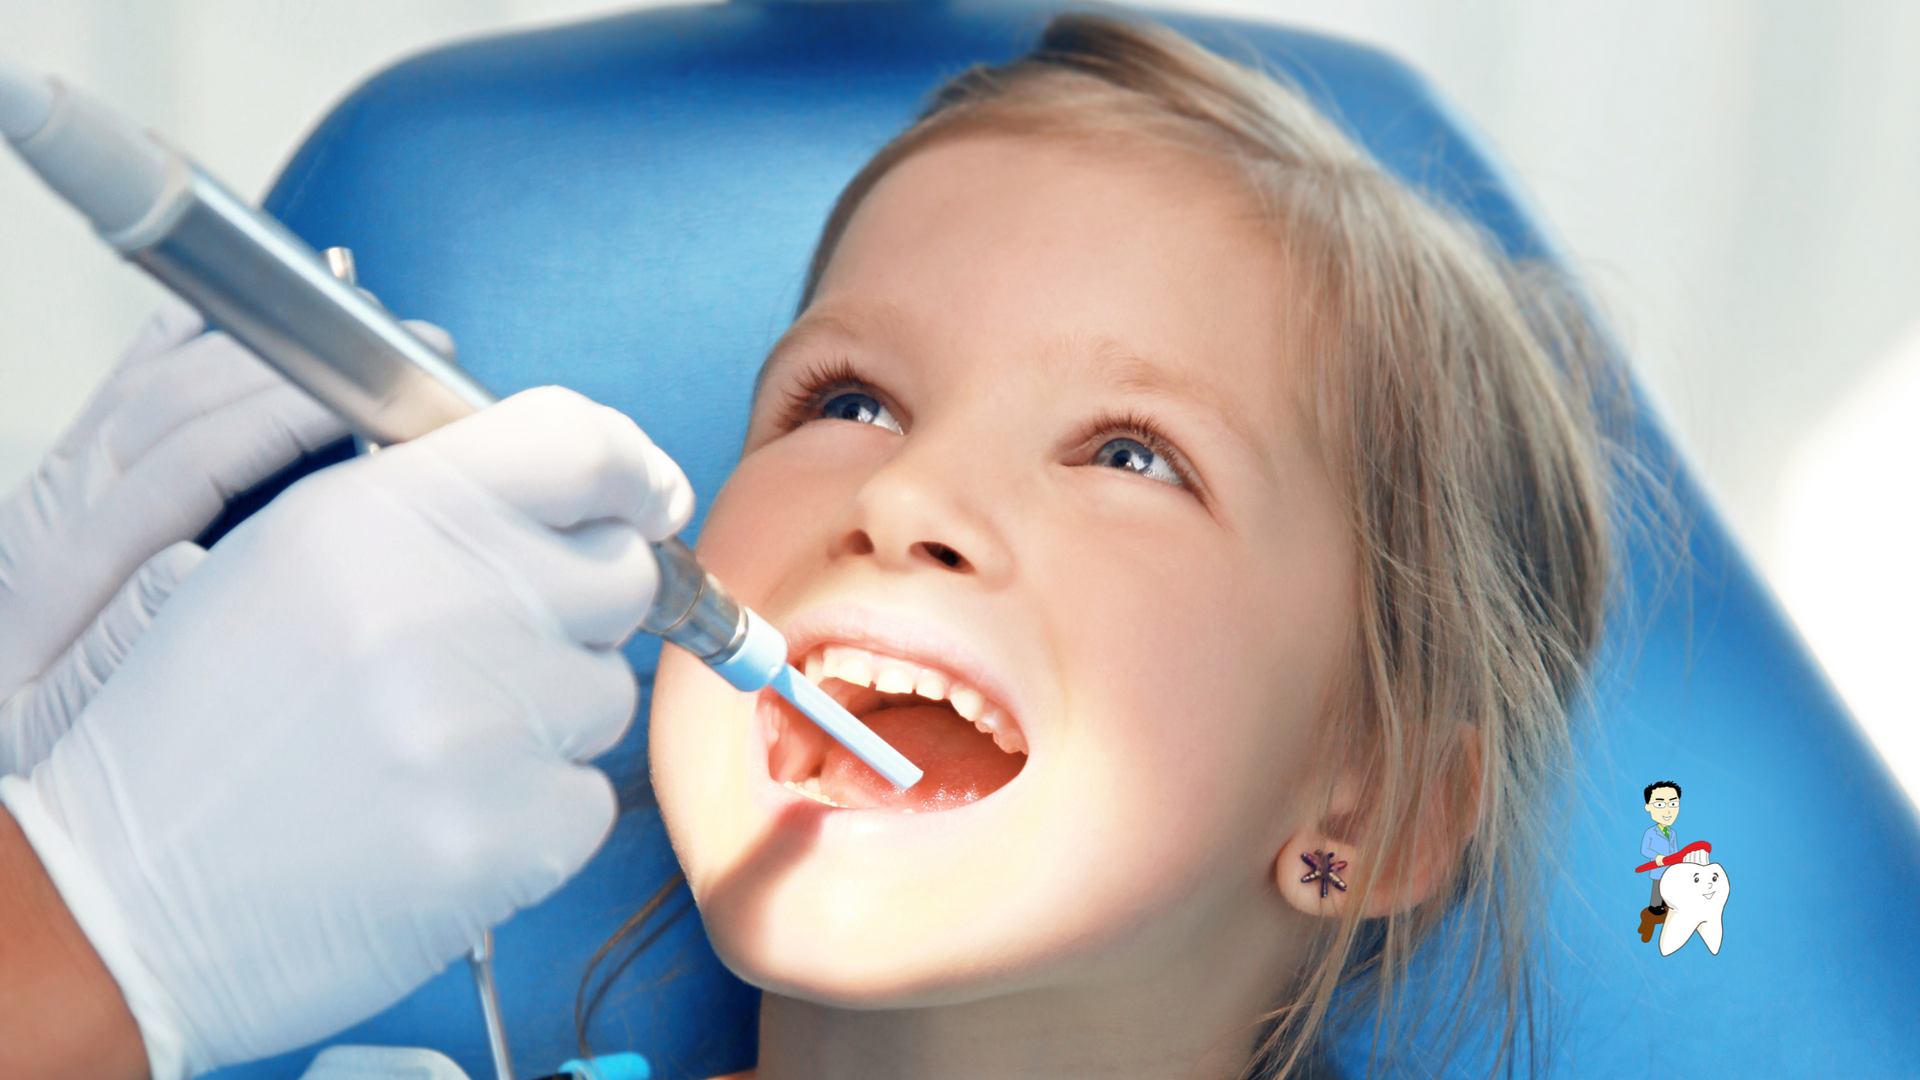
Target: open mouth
(968, 745)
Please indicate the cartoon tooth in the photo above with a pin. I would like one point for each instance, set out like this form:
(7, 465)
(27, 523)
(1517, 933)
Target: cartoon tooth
(1695, 895)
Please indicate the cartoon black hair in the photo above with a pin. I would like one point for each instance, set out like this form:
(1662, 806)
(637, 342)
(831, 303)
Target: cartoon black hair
(1660, 784)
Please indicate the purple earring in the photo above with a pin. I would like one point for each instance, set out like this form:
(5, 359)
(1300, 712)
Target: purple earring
(1321, 867)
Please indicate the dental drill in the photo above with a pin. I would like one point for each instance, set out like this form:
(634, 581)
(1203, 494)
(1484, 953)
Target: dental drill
(252, 277)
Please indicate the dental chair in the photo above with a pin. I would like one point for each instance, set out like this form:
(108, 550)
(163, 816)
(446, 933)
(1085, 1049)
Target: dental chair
(626, 207)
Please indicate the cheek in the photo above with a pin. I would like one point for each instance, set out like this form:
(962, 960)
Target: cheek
(1200, 665)
(696, 768)
(774, 515)
(746, 538)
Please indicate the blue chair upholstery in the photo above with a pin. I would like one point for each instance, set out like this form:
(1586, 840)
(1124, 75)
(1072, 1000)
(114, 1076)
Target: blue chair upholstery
(626, 207)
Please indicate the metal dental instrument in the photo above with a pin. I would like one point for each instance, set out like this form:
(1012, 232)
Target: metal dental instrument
(480, 960)
(253, 278)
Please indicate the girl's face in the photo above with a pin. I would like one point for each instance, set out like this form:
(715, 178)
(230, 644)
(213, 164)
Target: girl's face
(1026, 488)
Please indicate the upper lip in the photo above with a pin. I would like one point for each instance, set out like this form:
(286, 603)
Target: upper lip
(903, 636)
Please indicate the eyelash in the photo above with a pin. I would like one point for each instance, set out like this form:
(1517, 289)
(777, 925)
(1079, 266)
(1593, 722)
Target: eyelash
(816, 382)
(819, 380)
(1131, 425)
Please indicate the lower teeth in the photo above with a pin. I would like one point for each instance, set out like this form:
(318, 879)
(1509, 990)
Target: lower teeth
(814, 793)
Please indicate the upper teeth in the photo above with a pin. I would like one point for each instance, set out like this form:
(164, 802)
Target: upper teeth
(888, 675)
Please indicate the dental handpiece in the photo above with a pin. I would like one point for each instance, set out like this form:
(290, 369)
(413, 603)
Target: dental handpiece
(252, 277)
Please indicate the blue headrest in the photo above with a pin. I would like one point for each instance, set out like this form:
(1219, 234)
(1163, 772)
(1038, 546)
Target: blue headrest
(627, 206)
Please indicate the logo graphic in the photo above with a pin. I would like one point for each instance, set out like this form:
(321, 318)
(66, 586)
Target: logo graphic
(1689, 893)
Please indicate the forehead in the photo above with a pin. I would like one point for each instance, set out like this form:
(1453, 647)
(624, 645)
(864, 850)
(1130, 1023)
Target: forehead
(1665, 793)
(1038, 246)
(1109, 211)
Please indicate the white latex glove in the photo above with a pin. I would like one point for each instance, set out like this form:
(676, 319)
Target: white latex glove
(184, 422)
(35, 717)
(348, 743)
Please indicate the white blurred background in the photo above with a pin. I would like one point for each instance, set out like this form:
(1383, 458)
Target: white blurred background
(1739, 180)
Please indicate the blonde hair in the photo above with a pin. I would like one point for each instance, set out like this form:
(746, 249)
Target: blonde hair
(1452, 399)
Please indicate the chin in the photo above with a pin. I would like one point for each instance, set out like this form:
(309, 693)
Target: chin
(849, 974)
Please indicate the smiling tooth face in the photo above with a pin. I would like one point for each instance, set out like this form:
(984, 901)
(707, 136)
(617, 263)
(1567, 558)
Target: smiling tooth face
(1035, 446)
(1696, 897)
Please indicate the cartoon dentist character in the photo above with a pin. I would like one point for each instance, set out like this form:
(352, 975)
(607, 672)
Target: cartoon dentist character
(1689, 892)
(1659, 843)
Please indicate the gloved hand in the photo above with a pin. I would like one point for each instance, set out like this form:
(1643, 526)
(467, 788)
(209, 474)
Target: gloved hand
(348, 743)
(37, 714)
(184, 422)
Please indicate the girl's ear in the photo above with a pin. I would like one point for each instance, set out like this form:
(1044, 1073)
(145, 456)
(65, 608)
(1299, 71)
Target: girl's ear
(1330, 864)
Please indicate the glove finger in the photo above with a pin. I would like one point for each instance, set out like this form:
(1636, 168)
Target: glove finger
(99, 524)
(180, 486)
(33, 719)
(485, 795)
(564, 460)
(589, 585)
(572, 703)
(599, 584)
(251, 439)
(537, 828)
(186, 385)
(590, 702)
(93, 658)
(583, 808)
(556, 828)
(172, 324)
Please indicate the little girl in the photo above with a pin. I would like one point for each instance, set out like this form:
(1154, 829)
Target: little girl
(1219, 525)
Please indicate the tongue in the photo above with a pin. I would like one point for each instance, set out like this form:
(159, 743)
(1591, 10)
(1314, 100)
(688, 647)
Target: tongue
(961, 762)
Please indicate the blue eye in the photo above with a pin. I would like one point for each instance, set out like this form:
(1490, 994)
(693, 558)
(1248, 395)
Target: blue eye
(859, 408)
(1136, 457)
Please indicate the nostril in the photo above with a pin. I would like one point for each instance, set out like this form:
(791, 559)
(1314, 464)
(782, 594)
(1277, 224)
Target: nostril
(944, 555)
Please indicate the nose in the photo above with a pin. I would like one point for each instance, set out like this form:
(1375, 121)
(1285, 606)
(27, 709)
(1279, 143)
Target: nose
(929, 508)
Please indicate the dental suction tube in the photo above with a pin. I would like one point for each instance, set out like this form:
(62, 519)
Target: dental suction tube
(252, 277)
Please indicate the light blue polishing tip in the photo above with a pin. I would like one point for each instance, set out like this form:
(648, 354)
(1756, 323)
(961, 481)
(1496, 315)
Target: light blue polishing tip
(624, 1066)
(761, 661)
(846, 728)
(759, 658)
